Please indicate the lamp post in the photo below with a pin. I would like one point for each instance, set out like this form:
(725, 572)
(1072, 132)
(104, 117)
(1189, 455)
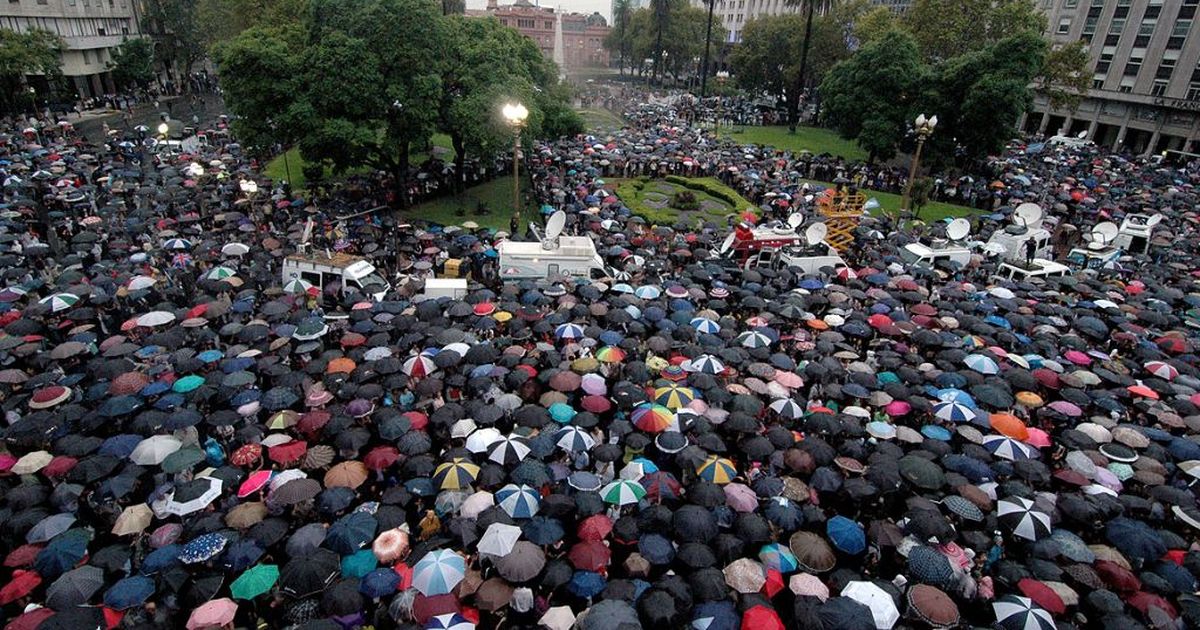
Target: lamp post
(707, 45)
(163, 130)
(516, 114)
(924, 127)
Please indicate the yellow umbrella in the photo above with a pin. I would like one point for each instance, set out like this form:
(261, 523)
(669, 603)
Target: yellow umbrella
(133, 520)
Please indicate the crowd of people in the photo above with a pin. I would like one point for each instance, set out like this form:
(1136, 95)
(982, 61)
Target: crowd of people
(193, 440)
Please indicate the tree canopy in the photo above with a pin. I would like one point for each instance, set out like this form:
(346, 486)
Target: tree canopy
(350, 85)
(132, 62)
(635, 36)
(34, 51)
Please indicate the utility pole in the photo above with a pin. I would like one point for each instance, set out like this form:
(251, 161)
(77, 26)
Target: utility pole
(801, 79)
(707, 45)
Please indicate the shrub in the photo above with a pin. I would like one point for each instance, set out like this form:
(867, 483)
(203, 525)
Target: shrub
(685, 200)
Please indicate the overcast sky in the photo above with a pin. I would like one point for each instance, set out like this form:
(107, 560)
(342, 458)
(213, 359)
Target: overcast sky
(577, 6)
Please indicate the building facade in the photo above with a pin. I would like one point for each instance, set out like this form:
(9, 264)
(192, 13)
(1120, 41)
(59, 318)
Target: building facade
(582, 36)
(1145, 74)
(734, 14)
(90, 30)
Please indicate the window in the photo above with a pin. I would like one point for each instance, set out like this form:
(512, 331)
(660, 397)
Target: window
(1116, 26)
(87, 57)
(1070, 4)
(1098, 83)
(524, 23)
(1133, 67)
(1147, 27)
(1103, 66)
(1160, 88)
(101, 31)
(1193, 93)
(548, 24)
(1181, 28)
(1165, 68)
(1064, 25)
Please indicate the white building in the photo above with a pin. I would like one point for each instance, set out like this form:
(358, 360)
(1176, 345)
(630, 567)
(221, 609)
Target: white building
(734, 14)
(90, 29)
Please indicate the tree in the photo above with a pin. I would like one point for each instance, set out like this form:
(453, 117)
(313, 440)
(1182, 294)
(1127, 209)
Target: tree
(454, 7)
(132, 63)
(222, 20)
(948, 28)
(1062, 78)
(660, 11)
(870, 96)
(685, 39)
(768, 58)
(179, 41)
(617, 39)
(34, 51)
(872, 25)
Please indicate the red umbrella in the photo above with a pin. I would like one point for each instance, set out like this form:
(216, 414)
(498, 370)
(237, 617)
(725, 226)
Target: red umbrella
(246, 454)
(591, 555)
(313, 421)
(381, 457)
(1144, 601)
(1143, 391)
(596, 527)
(1173, 344)
(30, 620)
(416, 419)
(59, 466)
(427, 607)
(762, 618)
(596, 404)
(774, 583)
(289, 452)
(22, 556)
(23, 582)
(1042, 595)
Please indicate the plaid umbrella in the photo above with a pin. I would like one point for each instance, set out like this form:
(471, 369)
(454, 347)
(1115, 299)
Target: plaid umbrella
(1019, 516)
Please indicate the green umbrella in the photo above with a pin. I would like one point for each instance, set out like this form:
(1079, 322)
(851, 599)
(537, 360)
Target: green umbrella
(187, 383)
(359, 563)
(182, 460)
(255, 581)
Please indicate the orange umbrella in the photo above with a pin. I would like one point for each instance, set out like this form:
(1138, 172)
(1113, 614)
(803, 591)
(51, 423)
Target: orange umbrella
(340, 365)
(1143, 391)
(1010, 425)
(346, 475)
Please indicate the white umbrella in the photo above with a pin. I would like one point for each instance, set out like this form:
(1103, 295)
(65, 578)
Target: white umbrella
(235, 249)
(558, 618)
(481, 439)
(171, 506)
(883, 608)
(137, 283)
(499, 539)
(60, 301)
(155, 318)
(154, 449)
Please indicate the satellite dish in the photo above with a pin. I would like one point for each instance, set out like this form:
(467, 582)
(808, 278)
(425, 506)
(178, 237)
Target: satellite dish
(1082, 134)
(958, 229)
(1154, 220)
(816, 233)
(554, 225)
(795, 220)
(1104, 233)
(1027, 215)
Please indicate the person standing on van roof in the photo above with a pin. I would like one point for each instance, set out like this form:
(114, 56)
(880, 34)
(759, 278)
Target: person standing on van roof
(1030, 251)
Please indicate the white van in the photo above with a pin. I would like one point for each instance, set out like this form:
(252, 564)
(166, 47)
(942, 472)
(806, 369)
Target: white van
(321, 269)
(453, 288)
(553, 256)
(922, 255)
(1040, 268)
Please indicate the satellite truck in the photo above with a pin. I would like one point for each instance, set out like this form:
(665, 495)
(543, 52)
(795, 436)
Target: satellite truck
(1101, 251)
(948, 249)
(1135, 232)
(323, 269)
(768, 245)
(1026, 226)
(552, 257)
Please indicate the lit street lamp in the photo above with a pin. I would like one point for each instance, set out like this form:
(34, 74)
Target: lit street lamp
(924, 127)
(163, 128)
(516, 115)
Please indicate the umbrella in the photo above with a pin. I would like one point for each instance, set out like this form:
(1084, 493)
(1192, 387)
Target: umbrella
(622, 492)
(212, 614)
(717, 470)
(75, 587)
(1014, 612)
(883, 607)
(456, 474)
(438, 571)
(518, 501)
(1020, 517)
(257, 580)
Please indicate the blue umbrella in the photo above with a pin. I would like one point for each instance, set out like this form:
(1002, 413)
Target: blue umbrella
(656, 548)
(160, 559)
(203, 548)
(351, 533)
(120, 445)
(543, 530)
(242, 555)
(518, 501)
(129, 592)
(379, 583)
(1135, 539)
(586, 584)
(719, 615)
(62, 554)
(784, 514)
(846, 535)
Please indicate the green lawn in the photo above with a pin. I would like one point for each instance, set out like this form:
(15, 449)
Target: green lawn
(496, 195)
(652, 199)
(600, 119)
(932, 211)
(812, 139)
(279, 168)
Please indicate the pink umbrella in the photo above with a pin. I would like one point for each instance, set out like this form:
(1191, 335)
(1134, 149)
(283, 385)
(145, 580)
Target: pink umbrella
(897, 408)
(1066, 408)
(791, 380)
(1038, 438)
(594, 384)
(166, 535)
(255, 482)
(596, 404)
(212, 614)
(1077, 357)
(740, 497)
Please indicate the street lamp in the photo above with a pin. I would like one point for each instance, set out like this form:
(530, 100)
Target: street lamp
(163, 128)
(924, 128)
(516, 115)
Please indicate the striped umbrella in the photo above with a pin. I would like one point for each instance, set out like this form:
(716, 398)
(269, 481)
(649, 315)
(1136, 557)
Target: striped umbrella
(220, 273)
(652, 418)
(13, 293)
(951, 411)
(297, 286)
(574, 439)
(707, 364)
(610, 354)
(982, 364)
(456, 474)
(450, 621)
(60, 301)
(621, 287)
(674, 396)
(622, 492)
(705, 325)
(1021, 517)
(787, 408)
(717, 470)
(648, 292)
(509, 451)
(778, 557)
(419, 366)
(1162, 370)
(518, 501)
(569, 331)
(438, 572)
(1014, 612)
(754, 339)
(177, 244)
(1007, 448)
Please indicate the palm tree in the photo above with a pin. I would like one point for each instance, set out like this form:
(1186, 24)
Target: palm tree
(622, 12)
(662, 15)
(801, 77)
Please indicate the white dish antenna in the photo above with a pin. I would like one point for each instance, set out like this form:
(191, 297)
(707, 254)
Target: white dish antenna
(1082, 134)
(958, 229)
(1154, 220)
(795, 220)
(816, 233)
(1028, 215)
(554, 225)
(1105, 233)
